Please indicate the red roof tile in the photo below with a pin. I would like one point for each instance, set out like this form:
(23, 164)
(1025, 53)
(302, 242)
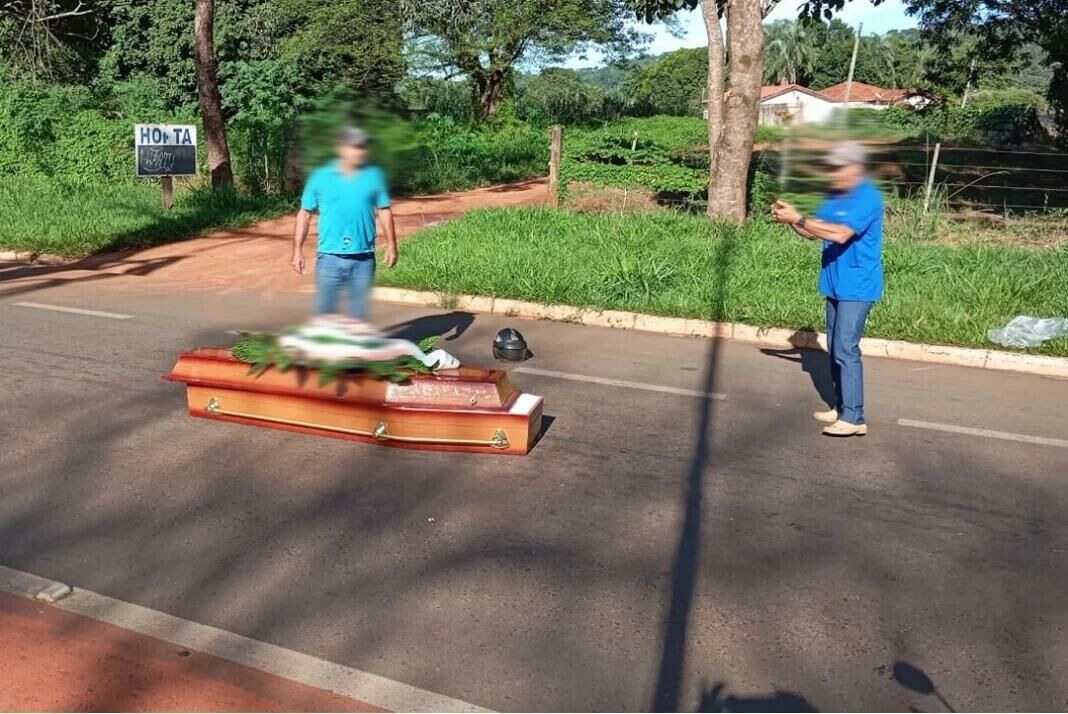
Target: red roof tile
(862, 92)
(772, 90)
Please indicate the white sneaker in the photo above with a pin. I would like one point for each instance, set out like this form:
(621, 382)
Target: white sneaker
(844, 428)
(828, 417)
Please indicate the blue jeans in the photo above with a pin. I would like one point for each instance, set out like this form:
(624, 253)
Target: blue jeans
(845, 327)
(355, 273)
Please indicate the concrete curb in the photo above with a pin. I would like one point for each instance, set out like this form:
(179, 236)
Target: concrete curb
(30, 258)
(777, 337)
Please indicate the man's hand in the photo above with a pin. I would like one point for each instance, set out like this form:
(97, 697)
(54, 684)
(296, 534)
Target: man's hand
(298, 262)
(391, 256)
(784, 212)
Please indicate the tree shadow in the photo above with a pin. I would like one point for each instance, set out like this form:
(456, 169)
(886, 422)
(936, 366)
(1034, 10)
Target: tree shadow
(717, 699)
(517, 186)
(916, 680)
(42, 277)
(684, 573)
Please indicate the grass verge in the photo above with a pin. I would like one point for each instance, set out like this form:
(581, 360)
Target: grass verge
(677, 265)
(76, 219)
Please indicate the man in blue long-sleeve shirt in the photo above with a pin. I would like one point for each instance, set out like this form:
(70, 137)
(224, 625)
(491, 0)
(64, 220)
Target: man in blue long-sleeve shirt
(850, 224)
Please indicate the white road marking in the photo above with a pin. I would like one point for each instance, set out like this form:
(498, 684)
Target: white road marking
(989, 434)
(74, 310)
(296, 666)
(619, 383)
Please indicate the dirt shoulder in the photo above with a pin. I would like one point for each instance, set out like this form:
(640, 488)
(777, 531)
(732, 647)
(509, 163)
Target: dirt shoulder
(254, 257)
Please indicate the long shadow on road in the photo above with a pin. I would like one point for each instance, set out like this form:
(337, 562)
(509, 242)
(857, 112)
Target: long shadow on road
(687, 554)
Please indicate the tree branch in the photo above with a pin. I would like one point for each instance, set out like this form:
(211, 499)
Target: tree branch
(77, 11)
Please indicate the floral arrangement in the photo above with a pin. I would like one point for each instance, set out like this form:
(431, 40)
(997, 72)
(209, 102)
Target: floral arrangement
(336, 345)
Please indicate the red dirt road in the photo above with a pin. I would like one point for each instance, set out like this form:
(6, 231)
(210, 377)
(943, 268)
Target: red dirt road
(255, 257)
(57, 661)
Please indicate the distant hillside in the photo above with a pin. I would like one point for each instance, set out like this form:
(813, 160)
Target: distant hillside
(612, 77)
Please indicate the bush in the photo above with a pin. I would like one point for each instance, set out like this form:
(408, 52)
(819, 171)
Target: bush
(51, 130)
(559, 96)
(991, 117)
(450, 156)
(453, 99)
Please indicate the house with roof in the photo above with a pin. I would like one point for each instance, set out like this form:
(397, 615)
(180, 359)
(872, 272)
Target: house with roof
(793, 104)
(871, 97)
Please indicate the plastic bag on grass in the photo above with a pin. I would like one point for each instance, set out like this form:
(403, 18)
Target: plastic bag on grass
(1024, 331)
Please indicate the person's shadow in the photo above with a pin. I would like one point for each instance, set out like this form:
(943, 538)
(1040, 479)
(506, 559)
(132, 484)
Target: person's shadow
(455, 322)
(816, 364)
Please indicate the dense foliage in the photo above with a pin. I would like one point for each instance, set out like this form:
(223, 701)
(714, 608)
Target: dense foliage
(991, 117)
(667, 156)
(673, 85)
(485, 39)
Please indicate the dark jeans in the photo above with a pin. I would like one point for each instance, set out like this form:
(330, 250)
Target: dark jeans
(355, 273)
(845, 327)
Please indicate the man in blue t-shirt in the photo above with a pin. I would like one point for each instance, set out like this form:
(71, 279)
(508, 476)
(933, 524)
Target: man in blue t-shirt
(346, 192)
(850, 224)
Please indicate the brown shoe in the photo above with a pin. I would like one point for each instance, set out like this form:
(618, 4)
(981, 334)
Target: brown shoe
(828, 417)
(844, 428)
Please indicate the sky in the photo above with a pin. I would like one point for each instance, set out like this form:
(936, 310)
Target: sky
(890, 15)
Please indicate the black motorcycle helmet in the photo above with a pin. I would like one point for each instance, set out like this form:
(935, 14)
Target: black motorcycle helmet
(509, 345)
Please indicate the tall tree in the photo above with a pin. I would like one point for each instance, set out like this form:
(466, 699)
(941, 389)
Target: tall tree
(1002, 28)
(732, 104)
(881, 54)
(484, 39)
(835, 42)
(208, 94)
(791, 54)
(672, 85)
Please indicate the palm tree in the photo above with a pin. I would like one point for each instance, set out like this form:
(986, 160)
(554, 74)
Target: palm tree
(884, 55)
(789, 55)
(923, 56)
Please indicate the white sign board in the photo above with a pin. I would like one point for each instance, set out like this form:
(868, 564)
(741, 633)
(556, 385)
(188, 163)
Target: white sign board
(166, 149)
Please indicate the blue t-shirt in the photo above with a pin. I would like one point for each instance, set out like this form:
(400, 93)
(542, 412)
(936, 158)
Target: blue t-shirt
(346, 206)
(854, 270)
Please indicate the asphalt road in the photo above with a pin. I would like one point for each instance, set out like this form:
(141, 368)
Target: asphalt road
(655, 550)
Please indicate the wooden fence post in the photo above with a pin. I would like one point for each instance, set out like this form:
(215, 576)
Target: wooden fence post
(555, 150)
(930, 179)
(167, 184)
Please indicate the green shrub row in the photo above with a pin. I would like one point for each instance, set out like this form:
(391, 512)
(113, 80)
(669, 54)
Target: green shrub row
(665, 155)
(69, 133)
(991, 117)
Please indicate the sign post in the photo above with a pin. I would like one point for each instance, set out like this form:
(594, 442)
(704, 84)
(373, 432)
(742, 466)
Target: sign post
(166, 150)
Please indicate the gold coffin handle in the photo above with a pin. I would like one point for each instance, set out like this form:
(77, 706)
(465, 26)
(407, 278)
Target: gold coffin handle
(380, 433)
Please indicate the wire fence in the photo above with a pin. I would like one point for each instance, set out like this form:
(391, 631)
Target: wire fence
(984, 179)
(1028, 184)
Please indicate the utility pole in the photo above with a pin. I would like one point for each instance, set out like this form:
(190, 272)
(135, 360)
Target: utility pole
(968, 85)
(852, 68)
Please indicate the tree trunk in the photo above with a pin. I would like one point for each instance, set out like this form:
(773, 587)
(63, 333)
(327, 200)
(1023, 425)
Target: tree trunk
(293, 167)
(208, 93)
(490, 85)
(730, 174)
(714, 91)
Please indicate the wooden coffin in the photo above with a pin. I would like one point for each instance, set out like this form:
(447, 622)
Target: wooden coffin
(466, 409)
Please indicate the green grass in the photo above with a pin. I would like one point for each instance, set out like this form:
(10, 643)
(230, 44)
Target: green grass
(76, 219)
(669, 264)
